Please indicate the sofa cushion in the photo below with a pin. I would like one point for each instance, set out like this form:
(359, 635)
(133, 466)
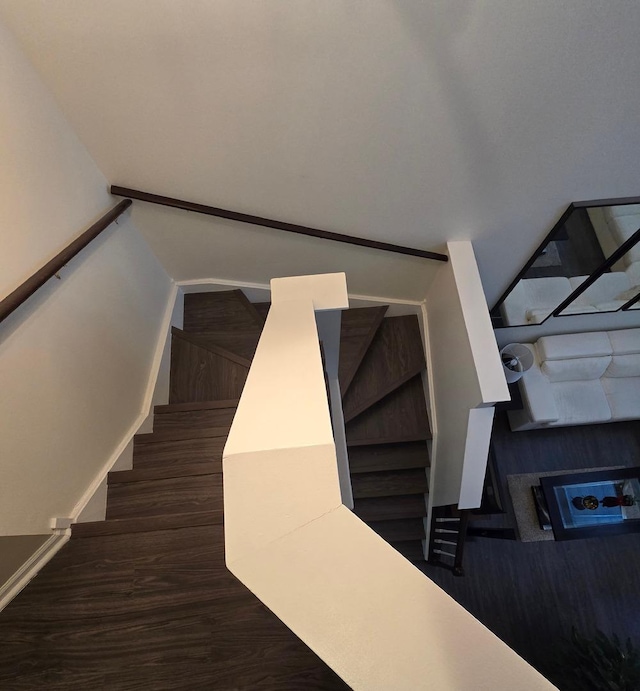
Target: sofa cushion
(625, 342)
(623, 395)
(537, 316)
(576, 369)
(581, 402)
(624, 366)
(621, 210)
(605, 289)
(541, 294)
(581, 345)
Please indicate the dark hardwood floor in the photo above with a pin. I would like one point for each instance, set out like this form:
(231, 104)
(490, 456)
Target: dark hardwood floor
(531, 594)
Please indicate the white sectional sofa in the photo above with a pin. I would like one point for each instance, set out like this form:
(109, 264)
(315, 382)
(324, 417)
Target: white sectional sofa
(581, 379)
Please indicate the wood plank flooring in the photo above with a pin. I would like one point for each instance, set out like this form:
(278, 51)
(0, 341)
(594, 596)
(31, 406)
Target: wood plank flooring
(145, 612)
(531, 594)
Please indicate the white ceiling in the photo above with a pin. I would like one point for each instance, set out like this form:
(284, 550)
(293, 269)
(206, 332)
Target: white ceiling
(411, 121)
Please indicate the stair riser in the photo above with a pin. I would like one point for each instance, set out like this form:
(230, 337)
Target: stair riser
(196, 419)
(164, 473)
(407, 529)
(178, 453)
(391, 508)
(387, 484)
(228, 310)
(366, 459)
(199, 375)
(163, 497)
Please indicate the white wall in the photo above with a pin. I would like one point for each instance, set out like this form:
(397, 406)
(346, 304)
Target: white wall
(465, 373)
(193, 247)
(75, 359)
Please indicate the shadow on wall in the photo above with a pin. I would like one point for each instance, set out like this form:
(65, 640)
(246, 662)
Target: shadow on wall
(438, 29)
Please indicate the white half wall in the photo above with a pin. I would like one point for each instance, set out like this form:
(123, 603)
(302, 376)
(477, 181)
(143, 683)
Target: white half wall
(193, 247)
(75, 359)
(465, 375)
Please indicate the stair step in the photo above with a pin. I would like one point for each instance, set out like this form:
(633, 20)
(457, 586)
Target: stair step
(194, 419)
(262, 308)
(410, 549)
(366, 459)
(357, 330)
(142, 525)
(178, 495)
(389, 483)
(180, 435)
(399, 529)
(394, 356)
(164, 473)
(242, 343)
(178, 453)
(198, 405)
(197, 374)
(399, 417)
(205, 342)
(390, 508)
(228, 310)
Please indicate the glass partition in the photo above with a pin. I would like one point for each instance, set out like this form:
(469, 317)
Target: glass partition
(594, 247)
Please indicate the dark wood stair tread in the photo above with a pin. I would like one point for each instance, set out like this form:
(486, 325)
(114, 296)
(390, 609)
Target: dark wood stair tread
(357, 330)
(410, 549)
(165, 472)
(389, 483)
(194, 419)
(389, 508)
(262, 308)
(394, 356)
(143, 525)
(197, 405)
(241, 343)
(198, 374)
(229, 309)
(180, 435)
(205, 342)
(399, 417)
(365, 459)
(179, 452)
(399, 529)
(177, 495)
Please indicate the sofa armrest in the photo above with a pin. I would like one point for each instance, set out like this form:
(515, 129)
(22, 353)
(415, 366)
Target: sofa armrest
(538, 395)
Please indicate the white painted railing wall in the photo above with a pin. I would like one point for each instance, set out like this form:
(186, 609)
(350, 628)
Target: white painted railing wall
(466, 379)
(364, 609)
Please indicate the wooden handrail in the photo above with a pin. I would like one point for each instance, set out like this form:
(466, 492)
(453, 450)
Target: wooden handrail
(51, 268)
(271, 223)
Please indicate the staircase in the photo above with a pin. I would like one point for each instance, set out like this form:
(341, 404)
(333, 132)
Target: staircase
(143, 600)
(381, 364)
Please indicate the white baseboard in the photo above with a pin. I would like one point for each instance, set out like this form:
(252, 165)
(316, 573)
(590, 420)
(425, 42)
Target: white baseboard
(32, 566)
(101, 476)
(59, 537)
